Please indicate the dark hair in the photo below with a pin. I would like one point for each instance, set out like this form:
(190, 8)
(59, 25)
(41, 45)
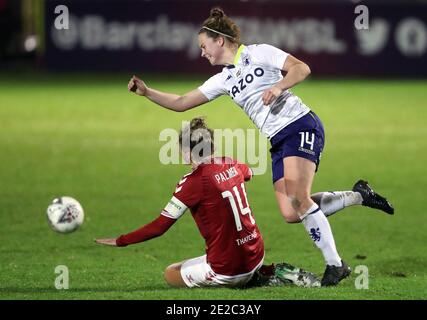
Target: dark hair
(222, 24)
(196, 135)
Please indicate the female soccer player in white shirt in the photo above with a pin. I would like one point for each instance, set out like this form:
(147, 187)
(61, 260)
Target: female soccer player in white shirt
(253, 78)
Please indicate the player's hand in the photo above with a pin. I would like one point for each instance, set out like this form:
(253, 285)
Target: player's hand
(270, 95)
(107, 242)
(137, 85)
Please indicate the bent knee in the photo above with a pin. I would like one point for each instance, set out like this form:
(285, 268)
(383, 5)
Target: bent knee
(167, 275)
(292, 218)
(172, 275)
(300, 202)
(289, 215)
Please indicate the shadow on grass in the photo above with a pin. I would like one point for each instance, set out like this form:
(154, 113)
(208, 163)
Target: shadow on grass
(14, 290)
(403, 267)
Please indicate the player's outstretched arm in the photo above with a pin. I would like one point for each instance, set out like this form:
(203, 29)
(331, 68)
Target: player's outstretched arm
(107, 242)
(151, 230)
(296, 72)
(167, 100)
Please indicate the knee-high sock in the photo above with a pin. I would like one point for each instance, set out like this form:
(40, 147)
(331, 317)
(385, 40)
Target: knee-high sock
(331, 202)
(318, 228)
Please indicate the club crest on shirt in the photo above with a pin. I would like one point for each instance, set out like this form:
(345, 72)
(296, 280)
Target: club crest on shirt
(246, 60)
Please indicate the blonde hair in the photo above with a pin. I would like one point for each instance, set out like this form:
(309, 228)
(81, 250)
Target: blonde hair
(198, 139)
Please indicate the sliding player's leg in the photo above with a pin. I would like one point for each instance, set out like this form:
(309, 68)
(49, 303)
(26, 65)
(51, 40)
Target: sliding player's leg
(283, 274)
(173, 275)
(197, 272)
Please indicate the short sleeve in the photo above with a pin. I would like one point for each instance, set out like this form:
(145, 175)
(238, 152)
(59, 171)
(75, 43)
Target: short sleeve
(270, 56)
(189, 190)
(213, 87)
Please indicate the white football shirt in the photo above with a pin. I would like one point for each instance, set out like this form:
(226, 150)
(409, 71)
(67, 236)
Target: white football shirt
(257, 68)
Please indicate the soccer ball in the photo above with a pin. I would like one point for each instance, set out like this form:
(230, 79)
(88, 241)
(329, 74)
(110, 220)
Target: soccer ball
(65, 214)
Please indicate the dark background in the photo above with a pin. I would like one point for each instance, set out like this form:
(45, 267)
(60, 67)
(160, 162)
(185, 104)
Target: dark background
(160, 36)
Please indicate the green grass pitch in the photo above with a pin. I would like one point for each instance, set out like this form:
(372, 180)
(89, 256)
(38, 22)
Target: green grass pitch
(85, 136)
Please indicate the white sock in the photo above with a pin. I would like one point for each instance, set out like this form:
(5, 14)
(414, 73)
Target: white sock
(331, 202)
(318, 228)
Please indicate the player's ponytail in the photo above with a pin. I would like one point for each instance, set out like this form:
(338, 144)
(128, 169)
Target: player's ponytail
(198, 123)
(198, 139)
(217, 12)
(218, 24)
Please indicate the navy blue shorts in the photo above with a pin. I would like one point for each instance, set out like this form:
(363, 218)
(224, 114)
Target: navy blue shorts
(303, 138)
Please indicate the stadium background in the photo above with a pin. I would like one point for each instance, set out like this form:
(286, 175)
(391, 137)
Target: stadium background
(68, 126)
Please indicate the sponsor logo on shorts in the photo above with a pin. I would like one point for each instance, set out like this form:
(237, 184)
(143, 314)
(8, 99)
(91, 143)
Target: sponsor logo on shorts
(307, 151)
(210, 276)
(189, 278)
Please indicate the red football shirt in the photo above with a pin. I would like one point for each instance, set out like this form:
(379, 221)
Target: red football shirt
(215, 194)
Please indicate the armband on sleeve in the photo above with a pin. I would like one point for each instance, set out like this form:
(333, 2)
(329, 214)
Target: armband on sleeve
(174, 209)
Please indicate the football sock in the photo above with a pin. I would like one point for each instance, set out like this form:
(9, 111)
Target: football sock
(318, 228)
(331, 202)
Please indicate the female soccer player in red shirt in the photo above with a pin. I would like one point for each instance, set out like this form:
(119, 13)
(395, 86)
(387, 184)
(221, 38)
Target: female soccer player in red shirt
(215, 194)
